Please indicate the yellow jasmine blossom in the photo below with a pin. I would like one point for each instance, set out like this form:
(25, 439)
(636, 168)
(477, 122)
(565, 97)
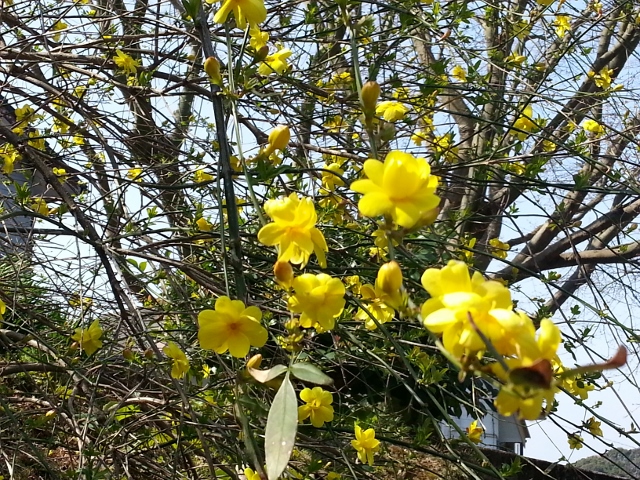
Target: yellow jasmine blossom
(135, 174)
(231, 326)
(459, 73)
(283, 271)
(443, 145)
(9, 156)
(389, 284)
(275, 63)
(252, 12)
(515, 58)
(278, 140)
(562, 24)
(498, 248)
(25, 114)
(40, 206)
(529, 383)
(576, 442)
(59, 25)
(330, 178)
(293, 230)
(200, 176)
(257, 38)
(365, 444)
(594, 427)
(475, 432)
(602, 79)
(524, 124)
(180, 361)
(401, 187)
(457, 299)
(89, 338)
(126, 62)
(251, 475)
(317, 406)
(204, 225)
(418, 137)
(593, 127)
(319, 299)
(375, 307)
(391, 110)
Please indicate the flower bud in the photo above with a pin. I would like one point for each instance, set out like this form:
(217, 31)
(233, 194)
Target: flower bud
(283, 272)
(370, 94)
(389, 278)
(279, 137)
(255, 361)
(212, 68)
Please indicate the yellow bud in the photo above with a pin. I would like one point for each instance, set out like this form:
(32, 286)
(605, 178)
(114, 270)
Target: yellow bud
(255, 361)
(148, 354)
(389, 278)
(212, 68)
(370, 94)
(279, 137)
(127, 353)
(283, 272)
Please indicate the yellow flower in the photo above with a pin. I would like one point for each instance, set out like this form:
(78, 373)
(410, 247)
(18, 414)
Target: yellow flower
(293, 230)
(443, 145)
(593, 127)
(475, 432)
(126, 62)
(389, 284)
(459, 73)
(89, 339)
(330, 178)
(319, 299)
(365, 444)
(418, 137)
(203, 225)
(200, 176)
(180, 361)
(59, 25)
(524, 124)
(375, 307)
(252, 12)
(391, 110)
(594, 427)
(135, 174)
(498, 248)
(529, 383)
(515, 58)
(212, 69)
(258, 39)
(40, 206)
(278, 139)
(457, 298)
(25, 114)
(251, 475)
(318, 406)
(275, 63)
(9, 156)
(401, 187)
(602, 79)
(231, 327)
(562, 24)
(576, 442)
(283, 271)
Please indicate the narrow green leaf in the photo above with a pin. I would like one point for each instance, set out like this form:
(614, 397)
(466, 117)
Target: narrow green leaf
(264, 376)
(310, 373)
(280, 434)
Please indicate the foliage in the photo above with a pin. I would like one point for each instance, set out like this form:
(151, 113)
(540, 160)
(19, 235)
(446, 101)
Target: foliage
(621, 462)
(225, 218)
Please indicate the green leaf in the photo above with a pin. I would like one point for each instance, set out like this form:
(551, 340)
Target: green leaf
(264, 376)
(280, 434)
(310, 373)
